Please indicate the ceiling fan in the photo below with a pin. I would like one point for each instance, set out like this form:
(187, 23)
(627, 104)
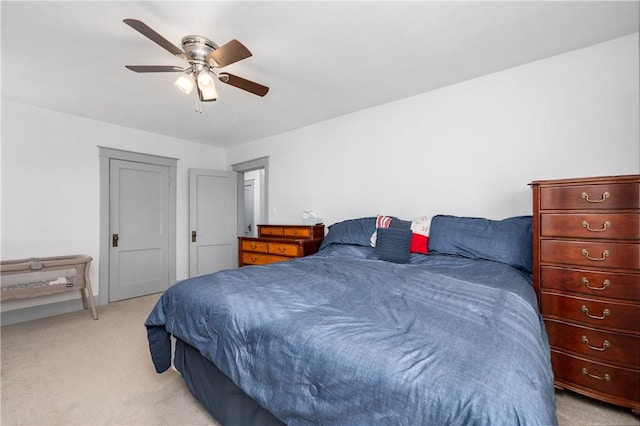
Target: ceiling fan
(204, 58)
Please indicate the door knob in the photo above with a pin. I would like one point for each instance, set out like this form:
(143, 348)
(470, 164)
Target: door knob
(193, 236)
(114, 240)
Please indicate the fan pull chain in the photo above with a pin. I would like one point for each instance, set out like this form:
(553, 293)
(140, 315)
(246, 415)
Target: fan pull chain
(198, 106)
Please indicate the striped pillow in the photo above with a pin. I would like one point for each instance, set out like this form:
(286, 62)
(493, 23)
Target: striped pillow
(381, 222)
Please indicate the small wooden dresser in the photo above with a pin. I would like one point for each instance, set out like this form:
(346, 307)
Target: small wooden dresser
(586, 252)
(276, 243)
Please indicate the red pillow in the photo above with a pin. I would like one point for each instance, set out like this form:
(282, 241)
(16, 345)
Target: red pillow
(419, 244)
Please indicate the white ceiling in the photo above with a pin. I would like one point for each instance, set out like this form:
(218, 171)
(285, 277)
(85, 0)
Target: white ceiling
(320, 59)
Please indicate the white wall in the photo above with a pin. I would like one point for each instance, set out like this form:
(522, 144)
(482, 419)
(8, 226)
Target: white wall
(50, 184)
(466, 149)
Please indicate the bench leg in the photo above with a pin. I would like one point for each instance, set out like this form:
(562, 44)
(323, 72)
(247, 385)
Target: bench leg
(89, 294)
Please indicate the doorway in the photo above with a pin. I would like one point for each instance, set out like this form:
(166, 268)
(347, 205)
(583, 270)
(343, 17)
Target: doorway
(254, 203)
(249, 209)
(258, 171)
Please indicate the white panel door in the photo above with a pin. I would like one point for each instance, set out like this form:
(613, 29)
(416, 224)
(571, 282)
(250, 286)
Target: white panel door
(213, 218)
(139, 226)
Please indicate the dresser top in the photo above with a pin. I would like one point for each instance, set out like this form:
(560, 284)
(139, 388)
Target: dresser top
(589, 180)
(290, 225)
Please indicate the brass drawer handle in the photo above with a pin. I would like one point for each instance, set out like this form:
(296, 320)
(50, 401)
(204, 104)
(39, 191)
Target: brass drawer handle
(605, 226)
(253, 246)
(253, 259)
(605, 284)
(606, 377)
(585, 197)
(605, 254)
(605, 313)
(605, 345)
(282, 249)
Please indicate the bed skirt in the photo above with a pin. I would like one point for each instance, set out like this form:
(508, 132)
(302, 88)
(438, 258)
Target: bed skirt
(226, 402)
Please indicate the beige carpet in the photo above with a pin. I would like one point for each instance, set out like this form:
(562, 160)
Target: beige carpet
(72, 370)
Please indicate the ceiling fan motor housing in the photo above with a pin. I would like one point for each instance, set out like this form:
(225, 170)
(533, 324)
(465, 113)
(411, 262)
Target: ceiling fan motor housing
(197, 48)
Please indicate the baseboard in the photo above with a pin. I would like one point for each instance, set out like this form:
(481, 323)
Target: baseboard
(41, 311)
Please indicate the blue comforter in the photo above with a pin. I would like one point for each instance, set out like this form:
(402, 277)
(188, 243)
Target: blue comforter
(341, 338)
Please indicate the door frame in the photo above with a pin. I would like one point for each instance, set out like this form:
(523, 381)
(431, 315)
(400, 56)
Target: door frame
(248, 166)
(106, 155)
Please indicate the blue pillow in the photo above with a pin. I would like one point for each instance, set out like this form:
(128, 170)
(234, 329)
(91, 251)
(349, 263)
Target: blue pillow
(507, 241)
(352, 231)
(393, 244)
(399, 223)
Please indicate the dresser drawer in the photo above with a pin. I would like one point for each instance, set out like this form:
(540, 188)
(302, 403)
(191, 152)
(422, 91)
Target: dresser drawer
(270, 231)
(252, 245)
(601, 226)
(604, 346)
(605, 284)
(294, 232)
(601, 378)
(284, 249)
(593, 254)
(591, 197)
(600, 313)
(249, 258)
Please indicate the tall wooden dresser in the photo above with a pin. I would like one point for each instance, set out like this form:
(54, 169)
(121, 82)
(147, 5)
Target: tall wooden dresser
(587, 275)
(276, 243)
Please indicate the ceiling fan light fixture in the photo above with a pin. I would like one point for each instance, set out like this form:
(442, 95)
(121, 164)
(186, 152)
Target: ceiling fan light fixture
(208, 93)
(185, 83)
(205, 80)
(207, 86)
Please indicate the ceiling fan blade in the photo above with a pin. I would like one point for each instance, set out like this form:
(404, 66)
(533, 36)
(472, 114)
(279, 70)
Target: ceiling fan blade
(227, 54)
(146, 31)
(154, 68)
(243, 83)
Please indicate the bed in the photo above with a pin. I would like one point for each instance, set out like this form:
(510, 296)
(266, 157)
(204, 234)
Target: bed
(361, 335)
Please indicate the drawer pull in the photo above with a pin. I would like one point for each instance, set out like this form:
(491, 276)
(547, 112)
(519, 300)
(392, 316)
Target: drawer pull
(585, 197)
(606, 377)
(605, 226)
(253, 246)
(605, 284)
(605, 254)
(605, 345)
(253, 259)
(605, 313)
(282, 249)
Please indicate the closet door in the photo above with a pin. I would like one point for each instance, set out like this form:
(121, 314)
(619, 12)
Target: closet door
(213, 220)
(139, 229)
